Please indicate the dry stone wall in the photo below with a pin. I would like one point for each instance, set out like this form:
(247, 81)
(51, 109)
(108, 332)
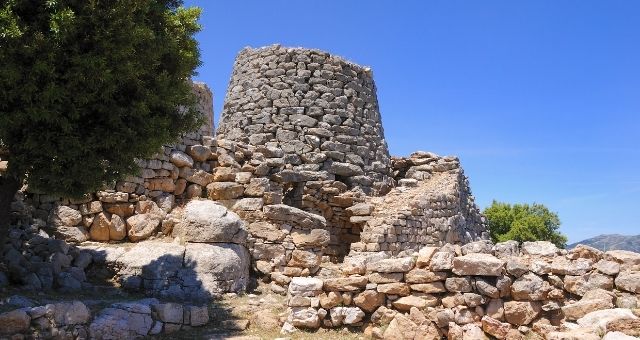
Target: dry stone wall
(475, 291)
(321, 110)
(299, 157)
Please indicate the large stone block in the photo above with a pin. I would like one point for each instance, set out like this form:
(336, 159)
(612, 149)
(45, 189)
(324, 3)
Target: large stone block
(207, 221)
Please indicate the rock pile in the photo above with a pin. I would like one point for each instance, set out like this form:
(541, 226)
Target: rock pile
(123, 320)
(474, 291)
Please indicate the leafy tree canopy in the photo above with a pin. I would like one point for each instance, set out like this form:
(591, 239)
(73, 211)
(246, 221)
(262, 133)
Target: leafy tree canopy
(87, 86)
(523, 222)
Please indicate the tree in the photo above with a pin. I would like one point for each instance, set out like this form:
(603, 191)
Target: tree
(87, 86)
(523, 222)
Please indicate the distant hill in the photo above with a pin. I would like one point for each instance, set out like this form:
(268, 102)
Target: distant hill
(611, 242)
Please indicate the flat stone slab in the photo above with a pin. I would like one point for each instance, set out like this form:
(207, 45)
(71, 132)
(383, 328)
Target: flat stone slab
(478, 264)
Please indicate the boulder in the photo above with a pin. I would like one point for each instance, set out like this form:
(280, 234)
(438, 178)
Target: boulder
(530, 287)
(399, 265)
(207, 221)
(68, 313)
(99, 230)
(169, 312)
(478, 264)
(424, 256)
(224, 190)
(540, 248)
(398, 288)
(346, 316)
(521, 312)
(506, 250)
(624, 257)
(607, 267)
(294, 216)
(482, 246)
(117, 323)
(369, 300)
(405, 303)
(304, 317)
(400, 328)
(441, 260)
(314, 238)
(142, 226)
(629, 281)
(345, 169)
(458, 284)
(495, 328)
(599, 319)
(216, 268)
(419, 275)
(576, 310)
(14, 322)
(180, 159)
(305, 286)
(304, 259)
(346, 284)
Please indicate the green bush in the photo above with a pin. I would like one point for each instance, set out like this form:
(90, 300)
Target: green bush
(88, 86)
(523, 222)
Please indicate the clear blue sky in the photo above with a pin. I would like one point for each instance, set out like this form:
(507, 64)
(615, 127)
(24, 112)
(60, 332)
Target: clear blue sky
(539, 99)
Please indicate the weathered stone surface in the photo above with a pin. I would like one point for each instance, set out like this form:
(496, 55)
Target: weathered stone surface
(117, 323)
(599, 319)
(100, 227)
(68, 313)
(217, 268)
(562, 266)
(206, 221)
(521, 312)
(442, 260)
(482, 246)
(530, 287)
(399, 265)
(458, 284)
(539, 248)
(345, 169)
(305, 286)
(629, 281)
(400, 328)
(304, 259)
(169, 312)
(478, 264)
(623, 257)
(419, 275)
(267, 231)
(495, 328)
(577, 310)
(294, 216)
(506, 250)
(401, 289)
(424, 256)
(314, 238)
(429, 288)
(13, 322)
(224, 190)
(142, 226)
(369, 300)
(180, 159)
(404, 304)
(607, 267)
(346, 284)
(346, 315)
(304, 317)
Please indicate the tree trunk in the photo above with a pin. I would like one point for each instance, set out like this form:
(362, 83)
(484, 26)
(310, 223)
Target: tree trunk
(9, 185)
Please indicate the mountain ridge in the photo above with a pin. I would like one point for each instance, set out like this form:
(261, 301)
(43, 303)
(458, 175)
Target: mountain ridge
(606, 242)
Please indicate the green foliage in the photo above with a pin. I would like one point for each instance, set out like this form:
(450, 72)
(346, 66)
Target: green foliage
(86, 86)
(523, 222)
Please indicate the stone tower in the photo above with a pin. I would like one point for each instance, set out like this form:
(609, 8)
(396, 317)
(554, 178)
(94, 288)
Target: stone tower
(320, 109)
